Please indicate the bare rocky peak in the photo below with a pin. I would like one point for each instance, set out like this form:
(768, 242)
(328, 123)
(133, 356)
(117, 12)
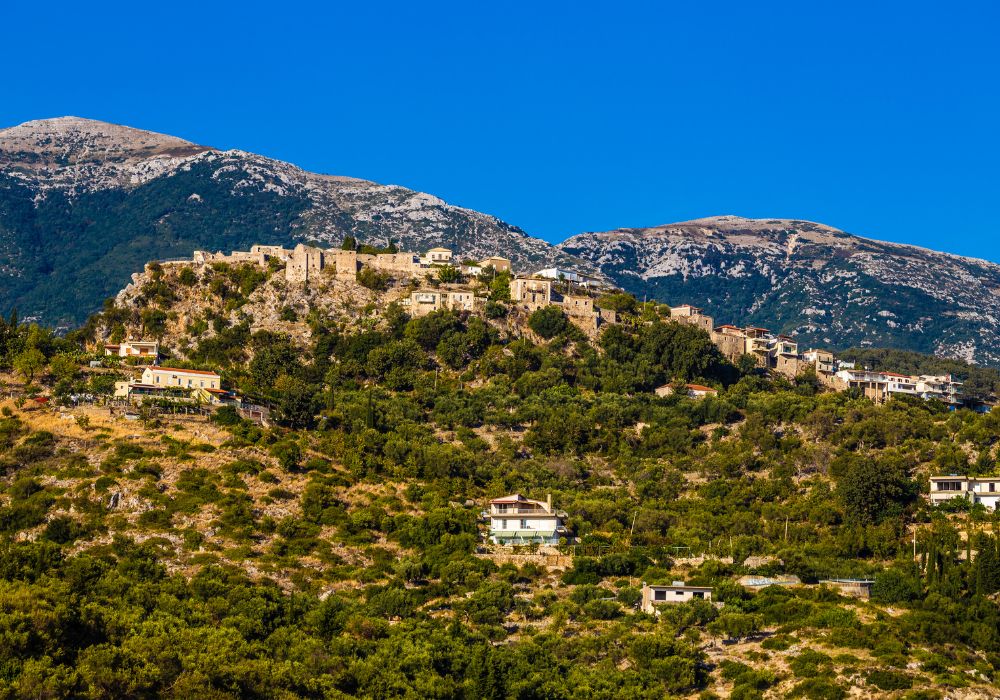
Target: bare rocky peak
(72, 141)
(728, 228)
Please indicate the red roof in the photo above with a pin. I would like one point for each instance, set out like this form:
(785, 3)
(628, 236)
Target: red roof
(896, 374)
(183, 371)
(726, 325)
(699, 387)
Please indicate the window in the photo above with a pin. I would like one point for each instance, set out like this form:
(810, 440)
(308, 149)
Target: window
(678, 592)
(949, 486)
(993, 487)
(524, 524)
(699, 594)
(659, 595)
(504, 521)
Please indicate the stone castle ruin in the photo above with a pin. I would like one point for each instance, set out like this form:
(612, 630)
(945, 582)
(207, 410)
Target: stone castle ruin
(303, 263)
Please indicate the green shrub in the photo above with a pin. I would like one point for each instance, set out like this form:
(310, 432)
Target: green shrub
(548, 321)
(887, 679)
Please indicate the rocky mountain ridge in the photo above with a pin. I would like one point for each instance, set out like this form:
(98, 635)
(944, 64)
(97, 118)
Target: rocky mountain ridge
(84, 204)
(109, 198)
(825, 286)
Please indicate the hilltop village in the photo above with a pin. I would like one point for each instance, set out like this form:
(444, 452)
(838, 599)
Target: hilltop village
(578, 297)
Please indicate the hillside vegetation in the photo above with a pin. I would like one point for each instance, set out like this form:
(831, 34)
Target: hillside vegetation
(338, 553)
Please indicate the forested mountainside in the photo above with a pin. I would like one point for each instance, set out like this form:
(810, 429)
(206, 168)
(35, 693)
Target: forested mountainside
(83, 204)
(824, 286)
(339, 551)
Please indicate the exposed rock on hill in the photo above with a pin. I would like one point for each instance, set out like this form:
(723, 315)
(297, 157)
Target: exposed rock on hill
(830, 288)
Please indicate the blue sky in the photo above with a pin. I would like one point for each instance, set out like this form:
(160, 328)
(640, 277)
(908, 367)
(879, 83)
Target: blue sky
(879, 118)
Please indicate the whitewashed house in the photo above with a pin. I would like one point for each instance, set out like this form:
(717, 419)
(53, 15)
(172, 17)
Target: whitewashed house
(146, 349)
(183, 378)
(191, 384)
(437, 256)
(515, 519)
(978, 489)
(677, 592)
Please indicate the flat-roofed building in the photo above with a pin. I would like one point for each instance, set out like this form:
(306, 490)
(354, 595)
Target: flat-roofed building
(515, 519)
(144, 349)
(437, 256)
(184, 378)
(676, 592)
(977, 489)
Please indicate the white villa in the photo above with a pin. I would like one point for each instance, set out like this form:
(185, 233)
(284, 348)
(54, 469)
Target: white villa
(515, 519)
(134, 348)
(981, 489)
(157, 381)
(677, 592)
(184, 378)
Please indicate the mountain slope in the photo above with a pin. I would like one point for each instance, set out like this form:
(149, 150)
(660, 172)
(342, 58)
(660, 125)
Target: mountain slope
(827, 287)
(83, 204)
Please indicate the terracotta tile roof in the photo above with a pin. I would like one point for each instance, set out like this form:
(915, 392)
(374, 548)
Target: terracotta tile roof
(699, 387)
(183, 371)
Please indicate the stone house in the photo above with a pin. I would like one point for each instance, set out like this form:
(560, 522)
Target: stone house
(304, 263)
(692, 316)
(497, 263)
(821, 360)
(530, 293)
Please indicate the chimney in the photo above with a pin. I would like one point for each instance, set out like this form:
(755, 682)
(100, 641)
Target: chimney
(548, 501)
